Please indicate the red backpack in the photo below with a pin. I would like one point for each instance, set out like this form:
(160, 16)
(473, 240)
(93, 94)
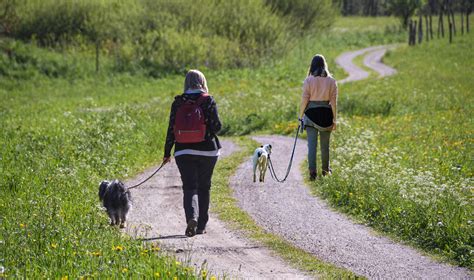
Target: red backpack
(189, 123)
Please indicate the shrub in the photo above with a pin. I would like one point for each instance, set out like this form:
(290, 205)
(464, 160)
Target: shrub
(163, 36)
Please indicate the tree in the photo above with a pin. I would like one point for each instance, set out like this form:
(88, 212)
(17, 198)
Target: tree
(8, 17)
(404, 9)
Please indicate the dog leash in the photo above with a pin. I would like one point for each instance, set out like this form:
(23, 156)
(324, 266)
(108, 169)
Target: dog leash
(149, 177)
(270, 166)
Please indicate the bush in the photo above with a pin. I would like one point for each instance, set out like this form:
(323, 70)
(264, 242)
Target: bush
(163, 36)
(305, 14)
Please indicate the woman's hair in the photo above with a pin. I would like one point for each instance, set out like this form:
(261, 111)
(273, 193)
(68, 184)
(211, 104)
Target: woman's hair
(319, 67)
(195, 80)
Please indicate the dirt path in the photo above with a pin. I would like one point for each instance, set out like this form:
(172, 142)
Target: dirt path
(372, 60)
(290, 211)
(157, 215)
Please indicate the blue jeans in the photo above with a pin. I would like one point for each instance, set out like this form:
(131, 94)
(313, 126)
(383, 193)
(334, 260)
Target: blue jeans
(312, 147)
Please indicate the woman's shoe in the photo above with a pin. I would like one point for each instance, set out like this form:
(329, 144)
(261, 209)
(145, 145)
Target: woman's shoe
(191, 228)
(313, 175)
(327, 172)
(200, 231)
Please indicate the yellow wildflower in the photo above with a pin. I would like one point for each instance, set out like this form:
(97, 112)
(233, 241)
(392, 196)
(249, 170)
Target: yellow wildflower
(204, 273)
(213, 277)
(178, 263)
(65, 278)
(96, 254)
(157, 274)
(124, 270)
(175, 278)
(117, 248)
(54, 245)
(22, 225)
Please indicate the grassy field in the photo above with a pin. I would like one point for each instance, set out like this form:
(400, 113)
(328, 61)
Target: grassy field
(64, 130)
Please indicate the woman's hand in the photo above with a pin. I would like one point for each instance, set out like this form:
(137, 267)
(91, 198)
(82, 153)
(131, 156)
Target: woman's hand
(333, 127)
(166, 160)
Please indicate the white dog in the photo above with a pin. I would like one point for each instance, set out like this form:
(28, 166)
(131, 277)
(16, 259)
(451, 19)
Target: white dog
(260, 159)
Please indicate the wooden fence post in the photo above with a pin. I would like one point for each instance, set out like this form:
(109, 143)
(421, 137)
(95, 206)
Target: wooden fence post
(97, 52)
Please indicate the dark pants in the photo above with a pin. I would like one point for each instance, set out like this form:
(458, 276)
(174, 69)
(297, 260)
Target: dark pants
(196, 173)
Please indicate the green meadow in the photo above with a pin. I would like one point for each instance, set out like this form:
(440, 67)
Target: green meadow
(402, 154)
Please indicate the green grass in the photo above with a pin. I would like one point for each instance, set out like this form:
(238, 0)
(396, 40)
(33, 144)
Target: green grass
(226, 206)
(62, 133)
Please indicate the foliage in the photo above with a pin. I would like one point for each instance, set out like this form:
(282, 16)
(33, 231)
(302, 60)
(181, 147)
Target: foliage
(158, 37)
(305, 14)
(404, 9)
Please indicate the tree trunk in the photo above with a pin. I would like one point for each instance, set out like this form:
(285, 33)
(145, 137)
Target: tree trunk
(450, 32)
(439, 27)
(441, 23)
(453, 21)
(420, 30)
(431, 27)
(467, 22)
(413, 33)
(427, 29)
(409, 33)
(97, 52)
(462, 22)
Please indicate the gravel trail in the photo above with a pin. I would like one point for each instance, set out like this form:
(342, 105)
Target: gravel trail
(372, 60)
(157, 215)
(291, 211)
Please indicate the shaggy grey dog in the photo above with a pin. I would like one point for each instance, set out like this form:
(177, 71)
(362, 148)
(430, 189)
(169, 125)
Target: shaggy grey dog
(117, 201)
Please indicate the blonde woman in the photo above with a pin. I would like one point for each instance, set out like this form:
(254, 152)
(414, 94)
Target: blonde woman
(318, 109)
(195, 160)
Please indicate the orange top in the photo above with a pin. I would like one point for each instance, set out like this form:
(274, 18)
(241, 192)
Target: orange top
(319, 89)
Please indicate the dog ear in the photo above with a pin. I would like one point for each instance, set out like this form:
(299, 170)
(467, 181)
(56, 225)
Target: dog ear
(102, 188)
(270, 146)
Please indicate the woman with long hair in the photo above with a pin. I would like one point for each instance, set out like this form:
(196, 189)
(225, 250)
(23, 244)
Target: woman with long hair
(195, 158)
(318, 110)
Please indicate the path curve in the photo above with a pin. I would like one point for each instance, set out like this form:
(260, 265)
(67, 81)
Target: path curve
(291, 211)
(372, 60)
(157, 215)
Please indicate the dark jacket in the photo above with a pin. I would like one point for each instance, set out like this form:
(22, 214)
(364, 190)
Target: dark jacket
(213, 124)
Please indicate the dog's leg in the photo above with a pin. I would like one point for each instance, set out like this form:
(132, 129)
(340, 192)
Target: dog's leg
(254, 169)
(264, 168)
(111, 216)
(123, 218)
(117, 217)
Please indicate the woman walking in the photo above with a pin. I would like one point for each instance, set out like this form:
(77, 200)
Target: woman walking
(192, 129)
(318, 110)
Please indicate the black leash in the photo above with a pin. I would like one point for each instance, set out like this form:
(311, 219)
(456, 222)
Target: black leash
(149, 177)
(270, 166)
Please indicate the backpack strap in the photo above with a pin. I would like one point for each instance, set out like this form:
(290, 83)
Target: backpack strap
(202, 98)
